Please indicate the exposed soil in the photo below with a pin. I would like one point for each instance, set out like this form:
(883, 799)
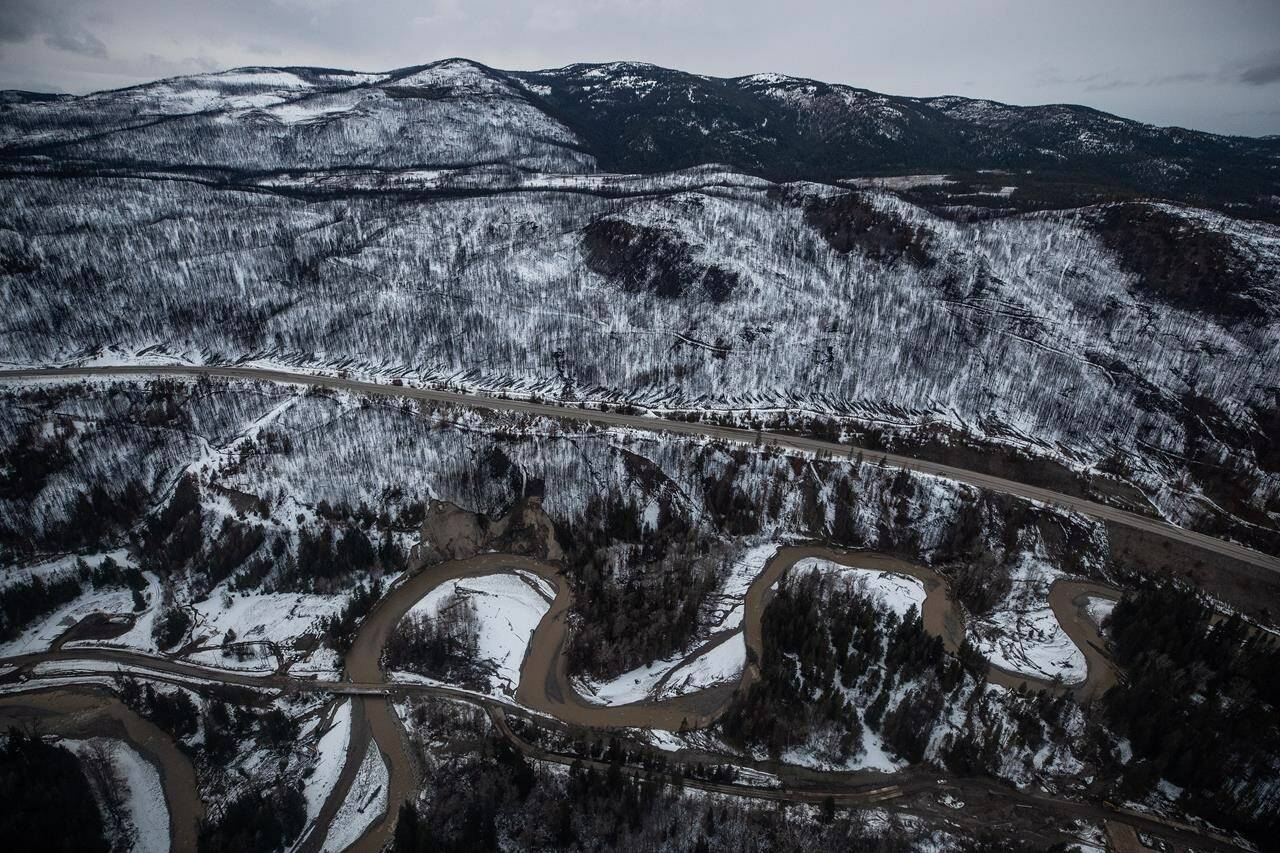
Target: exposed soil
(1252, 589)
(95, 626)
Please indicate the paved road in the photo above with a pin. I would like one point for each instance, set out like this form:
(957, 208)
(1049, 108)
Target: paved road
(546, 694)
(845, 789)
(655, 424)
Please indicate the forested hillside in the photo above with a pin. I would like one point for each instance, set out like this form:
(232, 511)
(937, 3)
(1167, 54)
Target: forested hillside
(450, 223)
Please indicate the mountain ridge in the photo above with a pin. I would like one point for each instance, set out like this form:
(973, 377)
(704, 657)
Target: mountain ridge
(642, 118)
(41, 95)
(472, 227)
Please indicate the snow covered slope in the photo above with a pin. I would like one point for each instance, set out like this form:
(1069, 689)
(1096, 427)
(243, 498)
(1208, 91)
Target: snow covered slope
(448, 222)
(449, 113)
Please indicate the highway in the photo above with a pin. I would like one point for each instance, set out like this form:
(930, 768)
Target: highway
(375, 719)
(54, 691)
(650, 423)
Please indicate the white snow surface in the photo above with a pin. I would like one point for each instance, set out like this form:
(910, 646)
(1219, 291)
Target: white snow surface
(147, 807)
(214, 658)
(276, 617)
(331, 752)
(891, 590)
(139, 636)
(365, 802)
(872, 756)
(59, 567)
(744, 570)
(39, 636)
(508, 610)
(633, 686)
(1022, 635)
(657, 680)
(1099, 608)
(143, 793)
(719, 665)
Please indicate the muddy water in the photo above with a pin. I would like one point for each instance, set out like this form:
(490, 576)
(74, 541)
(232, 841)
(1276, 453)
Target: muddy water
(1069, 599)
(544, 683)
(84, 712)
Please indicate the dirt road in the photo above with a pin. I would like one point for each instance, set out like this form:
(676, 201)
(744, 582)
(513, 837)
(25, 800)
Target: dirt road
(1083, 506)
(550, 692)
(545, 686)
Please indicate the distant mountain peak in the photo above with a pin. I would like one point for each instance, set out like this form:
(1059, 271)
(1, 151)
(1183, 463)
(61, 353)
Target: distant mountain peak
(629, 116)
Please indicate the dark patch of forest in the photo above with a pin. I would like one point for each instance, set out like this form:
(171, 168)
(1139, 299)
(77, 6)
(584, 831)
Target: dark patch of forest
(443, 645)
(829, 652)
(97, 511)
(495, 799)
(173, 712)
(850, 223)
(654, 609)
(340, 629)
(258, 820)
(651, 260)
(1181, 261)
(48, 804)
(1190, 675)
(23, 602)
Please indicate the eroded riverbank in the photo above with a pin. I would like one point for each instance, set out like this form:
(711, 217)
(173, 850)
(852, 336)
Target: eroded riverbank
(85, 712)
(544, 685)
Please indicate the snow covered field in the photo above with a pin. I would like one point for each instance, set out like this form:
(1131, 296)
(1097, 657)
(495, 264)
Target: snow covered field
(1022, 635)
(40, 635)
(146, 800)
(139, 635)
(1099, 608)
(365, 802)
(508, 610)
(274, 617)
(743, 570)
(112, 601)
(871, 755)
(892, 591)
(635, 685)
(331, 753)
(59, 567)
(141, 792)
(719, 665)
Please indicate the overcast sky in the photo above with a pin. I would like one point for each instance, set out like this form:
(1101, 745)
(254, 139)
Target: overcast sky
(1207, 64)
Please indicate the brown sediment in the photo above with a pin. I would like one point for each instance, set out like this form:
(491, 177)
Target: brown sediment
(84, 712)
(546, 687)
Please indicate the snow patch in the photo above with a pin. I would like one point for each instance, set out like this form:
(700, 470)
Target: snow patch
(721, 664)
(508, 610)
(365, 802)
(331, 752)
(1022, 635)
(890, 590)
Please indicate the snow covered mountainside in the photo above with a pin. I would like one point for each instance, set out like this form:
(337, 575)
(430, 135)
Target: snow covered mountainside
(456, 223)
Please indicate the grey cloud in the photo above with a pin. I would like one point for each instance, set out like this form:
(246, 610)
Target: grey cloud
(1102, 82)
(1109, 84)
(1185, 77)
(1095, 82)
(1262, 73)
(82, 42)
(23, 20)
